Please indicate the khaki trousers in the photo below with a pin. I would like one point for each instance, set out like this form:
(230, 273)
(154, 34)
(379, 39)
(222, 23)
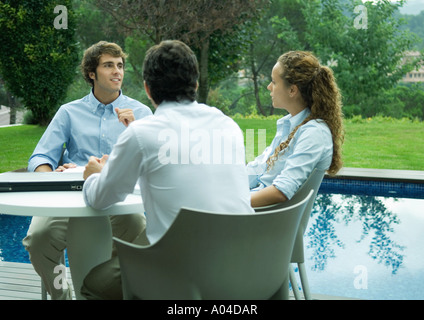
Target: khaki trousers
(46, 241)
(103, 282)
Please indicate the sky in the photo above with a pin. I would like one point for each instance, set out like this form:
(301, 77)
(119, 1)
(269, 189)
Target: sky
(413, 7)
(410, 7)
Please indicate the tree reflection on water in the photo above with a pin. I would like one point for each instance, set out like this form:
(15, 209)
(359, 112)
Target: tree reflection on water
(376, 221)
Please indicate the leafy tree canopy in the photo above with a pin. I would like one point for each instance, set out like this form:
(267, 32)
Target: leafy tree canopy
(39, 54)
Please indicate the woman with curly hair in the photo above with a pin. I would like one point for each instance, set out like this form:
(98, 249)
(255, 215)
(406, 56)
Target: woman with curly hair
(310, 136)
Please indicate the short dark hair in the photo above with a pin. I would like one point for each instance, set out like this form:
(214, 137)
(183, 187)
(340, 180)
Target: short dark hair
(92, 55)
(171, 72)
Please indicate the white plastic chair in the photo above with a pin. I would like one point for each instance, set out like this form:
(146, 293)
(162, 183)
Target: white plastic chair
(207, 255)
(312, 183)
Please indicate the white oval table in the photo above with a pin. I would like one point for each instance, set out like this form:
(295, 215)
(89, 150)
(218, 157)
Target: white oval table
(89, 237)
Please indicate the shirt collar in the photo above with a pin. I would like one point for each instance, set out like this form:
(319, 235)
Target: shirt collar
(96, 104)
(294, 121)
(165, 105)
(298, 119)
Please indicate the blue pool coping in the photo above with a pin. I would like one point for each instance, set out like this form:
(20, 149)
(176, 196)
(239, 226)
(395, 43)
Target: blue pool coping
(376, 182)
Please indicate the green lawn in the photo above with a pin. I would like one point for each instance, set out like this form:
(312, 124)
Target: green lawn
(384, 144)
(16, 145)
(370, 143)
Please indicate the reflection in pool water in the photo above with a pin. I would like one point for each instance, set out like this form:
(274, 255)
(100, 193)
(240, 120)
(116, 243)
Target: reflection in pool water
(366, 247)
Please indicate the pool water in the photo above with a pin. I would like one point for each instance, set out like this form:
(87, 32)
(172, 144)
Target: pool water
(356, 246)
(366, 247)
(12, 230)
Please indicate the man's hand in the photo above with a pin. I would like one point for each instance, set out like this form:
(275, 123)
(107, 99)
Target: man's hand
(126, 116)
(94, 165)
(66, 166)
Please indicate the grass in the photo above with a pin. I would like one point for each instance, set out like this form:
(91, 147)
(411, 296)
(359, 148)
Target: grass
(384, 144)
(268, 126)
(17, 144)
(379, 143)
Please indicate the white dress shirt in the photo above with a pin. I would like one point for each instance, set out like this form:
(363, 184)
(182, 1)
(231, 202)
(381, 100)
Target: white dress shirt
(185, 155)
(311, 147)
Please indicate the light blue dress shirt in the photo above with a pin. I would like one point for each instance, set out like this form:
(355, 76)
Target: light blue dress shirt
(311, 147)
(87, 127)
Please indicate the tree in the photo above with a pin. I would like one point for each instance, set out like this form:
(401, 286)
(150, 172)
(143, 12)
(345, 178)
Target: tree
(92, 25)
(413, 98)
(362, 42)
(10, 100)
(278, 30)
(192, 21)
(39, 54)
(415, 23)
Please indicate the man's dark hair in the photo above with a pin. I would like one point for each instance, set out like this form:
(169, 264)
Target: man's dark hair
(171, 72)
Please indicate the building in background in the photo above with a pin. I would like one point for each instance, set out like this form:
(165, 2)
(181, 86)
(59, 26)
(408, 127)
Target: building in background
(414, 76)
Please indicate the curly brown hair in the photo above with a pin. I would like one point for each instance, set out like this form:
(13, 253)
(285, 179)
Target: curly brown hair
(321, 94)
(92, 55)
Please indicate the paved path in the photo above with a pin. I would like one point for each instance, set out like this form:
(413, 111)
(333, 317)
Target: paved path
(5, 116)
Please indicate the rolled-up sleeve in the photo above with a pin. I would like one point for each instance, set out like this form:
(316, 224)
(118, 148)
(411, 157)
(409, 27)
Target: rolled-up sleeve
(49, 148)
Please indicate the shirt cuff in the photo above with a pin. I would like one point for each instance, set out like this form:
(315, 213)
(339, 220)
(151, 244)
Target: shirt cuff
(86, 188)
(289, 193)
(35, 163)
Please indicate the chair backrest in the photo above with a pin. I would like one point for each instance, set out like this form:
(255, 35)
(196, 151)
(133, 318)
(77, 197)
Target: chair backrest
(312, 183)
(206, 255)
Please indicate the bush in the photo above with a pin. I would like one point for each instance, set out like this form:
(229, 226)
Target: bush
(402, 101)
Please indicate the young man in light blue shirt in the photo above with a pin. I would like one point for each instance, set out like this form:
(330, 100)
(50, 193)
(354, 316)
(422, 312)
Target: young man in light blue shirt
(87, 127)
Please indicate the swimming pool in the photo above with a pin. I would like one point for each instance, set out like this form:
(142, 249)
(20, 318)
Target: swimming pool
(363, 240)
(366, 247)
(12, 230)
